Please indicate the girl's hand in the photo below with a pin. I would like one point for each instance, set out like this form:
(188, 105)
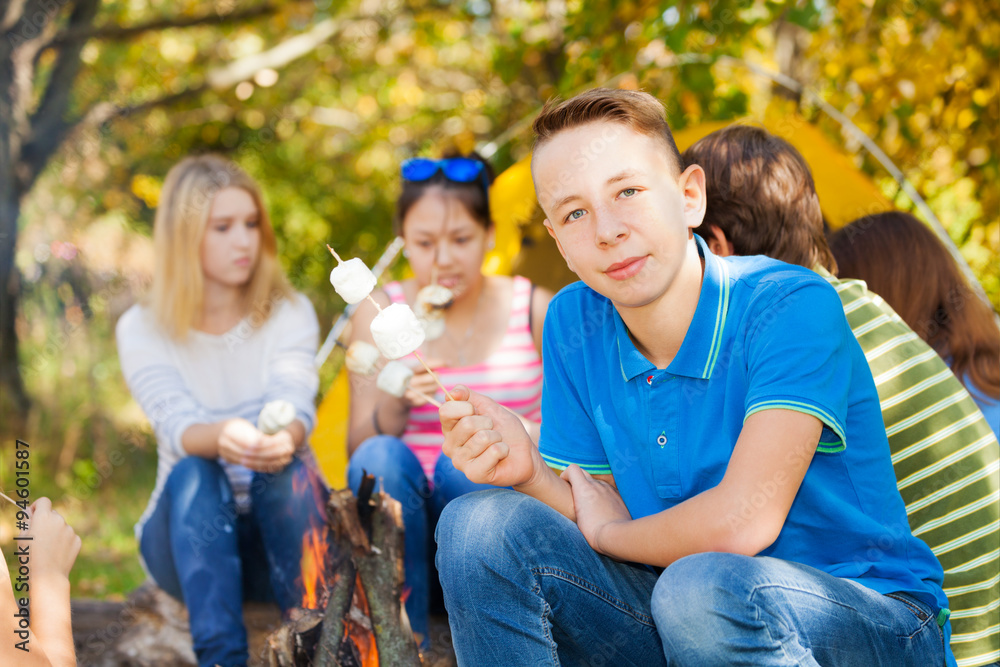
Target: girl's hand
(239, 441)
(422, 383)
(273, 454)
(597, 505)
(55, 544)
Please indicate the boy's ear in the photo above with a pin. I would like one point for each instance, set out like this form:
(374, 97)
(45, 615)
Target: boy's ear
(552, 233)
(717, 241)
(692, 185)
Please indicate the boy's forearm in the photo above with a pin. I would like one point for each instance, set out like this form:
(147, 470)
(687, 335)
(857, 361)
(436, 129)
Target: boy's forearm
(550, 489)
(50, 619)
(708, 522)
(34, 657)
(534, 429)
(728, 517)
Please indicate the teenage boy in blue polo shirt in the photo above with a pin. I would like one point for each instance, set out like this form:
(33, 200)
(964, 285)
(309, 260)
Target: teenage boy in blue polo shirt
(726, 494)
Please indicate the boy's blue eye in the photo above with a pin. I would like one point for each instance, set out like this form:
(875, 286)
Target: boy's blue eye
(573, 214)
(628, 192)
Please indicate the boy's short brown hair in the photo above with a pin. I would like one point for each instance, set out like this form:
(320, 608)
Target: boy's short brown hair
(761, 194)
(637, 110)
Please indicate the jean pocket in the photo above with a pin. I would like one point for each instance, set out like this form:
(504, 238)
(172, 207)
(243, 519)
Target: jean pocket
(921, 614)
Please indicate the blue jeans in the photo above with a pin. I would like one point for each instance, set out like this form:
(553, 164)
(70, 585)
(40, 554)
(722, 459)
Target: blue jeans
(520, 580)
(392, 462)
(199, 550)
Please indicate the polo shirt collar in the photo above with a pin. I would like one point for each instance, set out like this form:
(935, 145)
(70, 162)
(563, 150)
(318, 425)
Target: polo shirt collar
(700, 350)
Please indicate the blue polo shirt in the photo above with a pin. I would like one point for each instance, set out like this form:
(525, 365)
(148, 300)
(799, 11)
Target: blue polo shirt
(765, 335)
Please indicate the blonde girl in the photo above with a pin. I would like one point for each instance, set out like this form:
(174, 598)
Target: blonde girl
(221, 336)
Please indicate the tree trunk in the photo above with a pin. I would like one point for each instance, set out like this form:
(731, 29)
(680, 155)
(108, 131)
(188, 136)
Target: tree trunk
(13, 398)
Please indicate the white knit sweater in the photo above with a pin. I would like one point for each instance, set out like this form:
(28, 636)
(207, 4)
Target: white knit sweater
(207, 378)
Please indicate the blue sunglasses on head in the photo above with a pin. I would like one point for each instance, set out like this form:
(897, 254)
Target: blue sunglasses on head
(457, 169)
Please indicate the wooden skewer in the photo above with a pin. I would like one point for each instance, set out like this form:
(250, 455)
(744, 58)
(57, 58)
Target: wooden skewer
(430, 399)
(434, 375)
(7, 498)
(429, 369)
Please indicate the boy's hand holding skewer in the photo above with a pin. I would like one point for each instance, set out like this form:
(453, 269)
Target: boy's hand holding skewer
(488, 442)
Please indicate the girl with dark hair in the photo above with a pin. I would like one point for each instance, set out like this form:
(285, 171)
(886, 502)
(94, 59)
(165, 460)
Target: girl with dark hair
(907, 265)
(491, 341)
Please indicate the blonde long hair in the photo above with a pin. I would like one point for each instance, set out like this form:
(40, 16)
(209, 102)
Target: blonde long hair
(177, 292)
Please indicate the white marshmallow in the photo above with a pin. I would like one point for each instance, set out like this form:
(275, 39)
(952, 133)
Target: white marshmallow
(275, 416)
(434, 297)
(353, 280)
(433, 324)
(394, 378)
(396, 331)
(362, 358)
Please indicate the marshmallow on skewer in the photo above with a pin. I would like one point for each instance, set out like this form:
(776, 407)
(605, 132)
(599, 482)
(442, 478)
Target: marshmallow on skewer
(362, 358)
(433, 324)
(429, 309)
(433, 298)
(275, 416)
(396, 331)
(353, 280)
(394, 378)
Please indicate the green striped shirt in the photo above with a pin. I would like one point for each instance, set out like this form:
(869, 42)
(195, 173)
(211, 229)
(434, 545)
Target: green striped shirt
(947, 464)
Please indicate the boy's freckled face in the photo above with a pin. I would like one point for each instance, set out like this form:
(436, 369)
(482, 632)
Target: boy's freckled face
(618, 209)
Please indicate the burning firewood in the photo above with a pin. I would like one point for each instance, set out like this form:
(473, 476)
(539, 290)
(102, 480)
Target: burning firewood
(295, 642)
(383, 575)
(359, 619)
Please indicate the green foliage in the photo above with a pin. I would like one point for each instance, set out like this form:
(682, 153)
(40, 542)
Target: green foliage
(325, 136)
(921, 79)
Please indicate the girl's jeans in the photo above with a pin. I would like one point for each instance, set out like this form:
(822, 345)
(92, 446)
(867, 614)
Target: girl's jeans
(201, 551)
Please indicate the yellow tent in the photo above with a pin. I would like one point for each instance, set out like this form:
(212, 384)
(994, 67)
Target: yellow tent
(845, 194)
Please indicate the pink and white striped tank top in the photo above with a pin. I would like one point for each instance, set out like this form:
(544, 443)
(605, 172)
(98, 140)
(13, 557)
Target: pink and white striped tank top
(511, 376)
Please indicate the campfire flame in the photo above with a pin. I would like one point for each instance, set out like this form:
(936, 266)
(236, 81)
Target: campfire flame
(314, 543)
(361, 635)
(314, 548)
(364, 641)
(309, 481)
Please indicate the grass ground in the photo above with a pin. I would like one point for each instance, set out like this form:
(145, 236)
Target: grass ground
(103, 510)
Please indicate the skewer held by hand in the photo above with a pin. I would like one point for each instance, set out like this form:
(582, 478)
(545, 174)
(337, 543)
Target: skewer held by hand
(12, 502)
(334, 253)
(435, 376)
(430, 399)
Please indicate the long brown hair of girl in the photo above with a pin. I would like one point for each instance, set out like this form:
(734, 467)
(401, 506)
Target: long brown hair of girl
(907, 265)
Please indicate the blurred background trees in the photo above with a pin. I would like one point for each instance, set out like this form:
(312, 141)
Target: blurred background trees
(321, 101)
